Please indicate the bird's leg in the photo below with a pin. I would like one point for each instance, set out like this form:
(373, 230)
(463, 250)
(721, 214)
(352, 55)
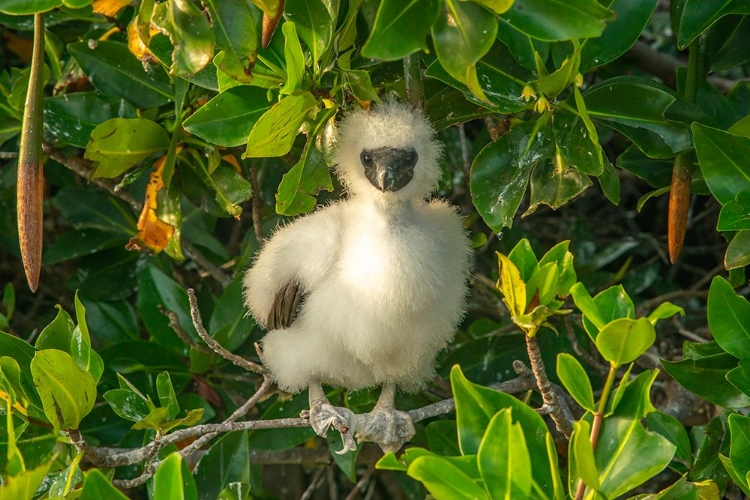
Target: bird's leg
(386, 425)
(323, 415)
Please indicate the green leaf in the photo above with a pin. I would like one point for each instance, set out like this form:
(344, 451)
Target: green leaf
(72, 117)
(522, 256)
(557, 20)
(729, 318)
(582, 463)
(706, 377)
(113, 70)
(575, 380)
(511, 286)
(462, 34)
(442, 437)
(275, 131)
(735, 214)
(96, 486)
(725, 42)
(190, 33)
(23, 485)
(739, 450)
(554, 183)
(236, 491)
(67, 392)
(543, 283)
(577, 147)
(294, 58)
(611, 304)
(234, 30)
(722, 159)
(173, 480)
(698, 15)
(27, 7)
(663, 311)
(86, 208)
(630, 17)
(560, 255)
(228, 118)
(224, 463)
(589, 308)
(500, 172)
(551, 85)
(400, 29)
(503, 458)
(128, 404)
(57, 335)
(640, 112)
(738, 252)
(167, 397)
(740, 376)
(230, 325)
(85, 357)
(302, 183)
(477, 405)
(674, 431)
(314, 25)
(627, 455)
(635, 401)
(444, 480)
(120, 143)
(623, 340)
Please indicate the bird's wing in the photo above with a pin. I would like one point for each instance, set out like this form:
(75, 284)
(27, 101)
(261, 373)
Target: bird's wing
(286, 306)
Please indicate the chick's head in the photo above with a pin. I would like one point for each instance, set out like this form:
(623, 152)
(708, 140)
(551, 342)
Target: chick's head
(390, 152)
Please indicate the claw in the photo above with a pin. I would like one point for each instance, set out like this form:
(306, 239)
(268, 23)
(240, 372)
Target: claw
(324, 416)
(387, 427)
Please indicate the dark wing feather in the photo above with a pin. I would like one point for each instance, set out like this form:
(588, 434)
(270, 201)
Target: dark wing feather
(286, 306)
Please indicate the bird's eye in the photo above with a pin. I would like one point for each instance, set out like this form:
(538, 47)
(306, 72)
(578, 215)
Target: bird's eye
(366, 159)
(411, 158)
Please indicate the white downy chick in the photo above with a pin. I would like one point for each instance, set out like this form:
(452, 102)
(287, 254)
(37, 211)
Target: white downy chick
(365, 291)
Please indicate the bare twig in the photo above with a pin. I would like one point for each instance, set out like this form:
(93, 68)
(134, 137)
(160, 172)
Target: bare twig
(551, 402)
(317, 480)
(174, 324)
(202, 262)
(361, 484)
(214, 345)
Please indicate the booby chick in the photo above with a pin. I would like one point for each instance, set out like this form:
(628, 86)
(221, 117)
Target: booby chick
(365, 292)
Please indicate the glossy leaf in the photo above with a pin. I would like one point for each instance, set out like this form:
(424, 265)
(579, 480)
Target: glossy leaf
(228, 118)
(314, 25)
(554, 183)
(663, 311)
(740, 376)
(173, 480)
(640, 112)
(225, 462)
(477, 405)
(637, 453)
(697, 16)
(444, 480)
(557, 20)
(576, 147)
(500, 172)
(722, 159)
(400, 29)
(25, 484)
(120, 143)
(127, 404)
(462, 34)
(113, 70)
(503, 458)
(72, 117)
(58, 333)
(522, 256)
(274, 132)
(96, 486)
(739, 450)
(706, 377)
(725, 42)
(582, 464)
(521, 45)
(674, 431)
(234, 30)
(302, 183)
(735, 214)
(729, 318)
(294, 58)
(86, 209)
(630, 17)
(190, 33)
(511, 286)
(85, 357)
(167, 396)
(611, 304)
(624, 340)
(235, 491)
(635, 400)
(67, 392)
(441, 435)
(738, 252)
(575, 380)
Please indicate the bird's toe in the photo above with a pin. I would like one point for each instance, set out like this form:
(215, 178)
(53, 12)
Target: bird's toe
(324, 416)
(388, 427)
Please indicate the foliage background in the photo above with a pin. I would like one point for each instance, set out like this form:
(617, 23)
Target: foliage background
(176, 107)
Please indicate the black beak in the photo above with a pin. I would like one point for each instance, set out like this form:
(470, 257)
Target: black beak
(389, 169)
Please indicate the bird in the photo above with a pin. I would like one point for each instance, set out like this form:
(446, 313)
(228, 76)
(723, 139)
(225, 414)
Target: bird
(365, 291)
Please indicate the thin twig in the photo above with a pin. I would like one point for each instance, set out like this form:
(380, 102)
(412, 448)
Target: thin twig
(549, 396)
(214, 345)
(361, 483)
(316, 481)
(202, 262)
(174, 324)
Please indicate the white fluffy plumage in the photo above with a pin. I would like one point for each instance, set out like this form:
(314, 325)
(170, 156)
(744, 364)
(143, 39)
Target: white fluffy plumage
(383, 273)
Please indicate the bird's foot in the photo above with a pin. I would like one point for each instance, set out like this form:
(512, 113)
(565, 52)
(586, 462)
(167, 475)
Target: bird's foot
(323, 416)
(386, 426)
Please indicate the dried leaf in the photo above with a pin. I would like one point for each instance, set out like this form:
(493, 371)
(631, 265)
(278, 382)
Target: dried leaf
(153, 233)
(108, 7)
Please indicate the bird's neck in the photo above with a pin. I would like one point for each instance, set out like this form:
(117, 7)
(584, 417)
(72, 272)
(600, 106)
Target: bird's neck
(386, 206)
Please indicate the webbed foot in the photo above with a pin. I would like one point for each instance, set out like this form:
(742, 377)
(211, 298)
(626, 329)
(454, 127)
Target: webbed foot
(388, 427)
